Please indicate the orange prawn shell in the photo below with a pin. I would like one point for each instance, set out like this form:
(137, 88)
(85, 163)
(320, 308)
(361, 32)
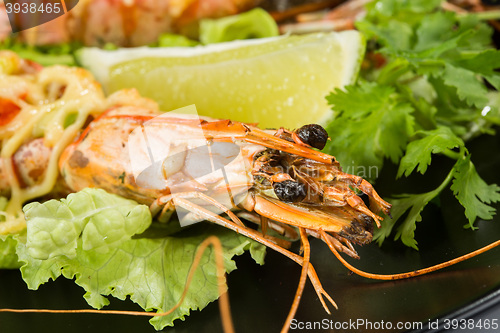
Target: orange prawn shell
(99, 157)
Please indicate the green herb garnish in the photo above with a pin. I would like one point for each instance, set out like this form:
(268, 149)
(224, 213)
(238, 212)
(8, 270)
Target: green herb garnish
(438, 88)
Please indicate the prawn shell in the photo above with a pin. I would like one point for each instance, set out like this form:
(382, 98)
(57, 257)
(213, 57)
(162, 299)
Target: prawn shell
(108, 155)
(100, 157)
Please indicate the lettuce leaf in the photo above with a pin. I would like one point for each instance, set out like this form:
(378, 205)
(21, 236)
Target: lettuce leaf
(8, 256)
(150, 268)
(102, 221)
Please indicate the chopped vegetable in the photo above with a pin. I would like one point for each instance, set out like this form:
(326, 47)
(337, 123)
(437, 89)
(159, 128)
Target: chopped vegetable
(170, 40)
(256, 23)
(61, 54)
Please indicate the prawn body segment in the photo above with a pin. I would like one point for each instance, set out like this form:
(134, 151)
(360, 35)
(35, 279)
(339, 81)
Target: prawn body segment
(99, 157)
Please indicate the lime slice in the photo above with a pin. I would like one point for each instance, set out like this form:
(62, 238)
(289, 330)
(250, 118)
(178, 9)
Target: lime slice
(278, 81)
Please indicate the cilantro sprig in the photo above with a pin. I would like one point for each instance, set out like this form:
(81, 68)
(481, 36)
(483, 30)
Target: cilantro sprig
(439, 87)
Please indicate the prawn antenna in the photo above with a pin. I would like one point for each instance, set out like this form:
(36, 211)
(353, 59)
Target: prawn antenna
(227, 322)
(410, 274)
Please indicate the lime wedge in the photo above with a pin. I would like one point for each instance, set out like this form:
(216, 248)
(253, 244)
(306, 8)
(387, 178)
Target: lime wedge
(278, 81)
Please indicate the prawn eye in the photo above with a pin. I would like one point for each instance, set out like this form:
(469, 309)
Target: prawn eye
(290, 191)
(314, 135)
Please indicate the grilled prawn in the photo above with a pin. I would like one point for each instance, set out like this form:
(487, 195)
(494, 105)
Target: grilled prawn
(272, 173)
(217, 170)
(274, 177)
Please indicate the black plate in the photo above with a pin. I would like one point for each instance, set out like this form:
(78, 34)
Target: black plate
(261, 295)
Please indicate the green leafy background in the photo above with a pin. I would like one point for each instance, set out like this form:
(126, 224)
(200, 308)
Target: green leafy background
(437, 88)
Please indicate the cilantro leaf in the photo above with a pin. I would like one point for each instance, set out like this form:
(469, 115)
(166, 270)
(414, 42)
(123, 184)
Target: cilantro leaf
(481, 38)
(469, 88)
(444, 46)
(433, 30)
(432, 92)
(415, 203)
(352, 101)
(473, 193)
(391, 34)
(411, 203)
(485, 63)
(419, 152)
(372, 124)
(410, 11)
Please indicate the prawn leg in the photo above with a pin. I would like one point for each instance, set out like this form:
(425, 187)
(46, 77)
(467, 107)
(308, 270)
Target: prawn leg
(214, 218)
(365, 187)
(347, 196)
(166, 201)
(171, 201)
(302, 281)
